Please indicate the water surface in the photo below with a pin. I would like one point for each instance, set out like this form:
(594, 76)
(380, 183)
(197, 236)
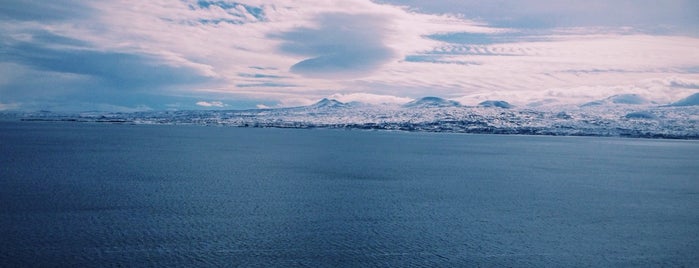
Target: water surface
(100, 194)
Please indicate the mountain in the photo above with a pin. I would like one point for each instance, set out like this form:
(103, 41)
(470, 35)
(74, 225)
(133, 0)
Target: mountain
(435, 115)
(431, 102)
(629, 99)
(495, 103)
(691, 100)
(328, 103)
(640, 115)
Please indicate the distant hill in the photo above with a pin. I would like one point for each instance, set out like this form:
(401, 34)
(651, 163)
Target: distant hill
(328, 103)
(495, 103)
(628, 99)
(691, 100)
(640, 115)
(429, 114)
(432, 102)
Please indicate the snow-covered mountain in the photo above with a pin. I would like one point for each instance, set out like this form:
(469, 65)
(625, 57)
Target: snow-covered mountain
(691, 100)
(328, 103)
(621, 115)
(495, 103)
(623, 99)
(431, 102)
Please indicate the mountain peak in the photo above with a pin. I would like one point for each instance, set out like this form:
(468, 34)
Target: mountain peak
(328, 103)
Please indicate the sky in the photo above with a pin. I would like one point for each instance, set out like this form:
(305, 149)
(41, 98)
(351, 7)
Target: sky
(133, 55)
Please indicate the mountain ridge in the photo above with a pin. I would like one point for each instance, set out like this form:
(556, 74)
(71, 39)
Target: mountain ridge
(429, 114)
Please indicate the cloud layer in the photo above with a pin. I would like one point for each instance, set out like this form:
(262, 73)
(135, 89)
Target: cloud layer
(172, 54)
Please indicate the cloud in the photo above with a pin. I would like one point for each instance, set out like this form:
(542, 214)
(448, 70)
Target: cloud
(341, 46)
(8, 106)
(443, 59)
(673, 14)
(661, 91)
(684, 83)
(370, 98)
(487, 38)
(265, 84)
(306, 49)
(291, 52)
(230, 12)
(211, 104)
(527, 68)
(42, 66)
(114, 69)
(57, 10)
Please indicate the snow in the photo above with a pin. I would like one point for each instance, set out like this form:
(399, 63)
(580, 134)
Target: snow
(432, 102)
(628, 99)
(623, 99)
(328, 103)
(692, 100)
(433, 114)
(495, 103)
(640, 115)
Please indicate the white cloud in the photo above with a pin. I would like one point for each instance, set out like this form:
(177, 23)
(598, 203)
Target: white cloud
(211, 104)
(9, 106)
(296, 101)
(370, 98)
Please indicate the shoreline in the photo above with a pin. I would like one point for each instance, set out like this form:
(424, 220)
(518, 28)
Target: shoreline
(398, 127)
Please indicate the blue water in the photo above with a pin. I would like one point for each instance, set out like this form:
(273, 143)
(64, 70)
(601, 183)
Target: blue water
(78, 195)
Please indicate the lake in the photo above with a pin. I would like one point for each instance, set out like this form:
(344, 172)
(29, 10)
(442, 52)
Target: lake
(80, 194)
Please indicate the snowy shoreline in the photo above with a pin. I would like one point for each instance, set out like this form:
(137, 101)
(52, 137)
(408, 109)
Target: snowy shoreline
(649, 122)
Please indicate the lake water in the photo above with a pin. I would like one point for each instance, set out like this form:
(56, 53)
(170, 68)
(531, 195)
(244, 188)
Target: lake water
(79, 195)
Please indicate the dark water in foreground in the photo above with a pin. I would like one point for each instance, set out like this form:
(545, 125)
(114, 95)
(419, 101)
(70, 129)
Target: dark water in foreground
(105, 195)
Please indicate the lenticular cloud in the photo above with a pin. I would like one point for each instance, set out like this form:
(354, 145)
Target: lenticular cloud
(344, 45)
